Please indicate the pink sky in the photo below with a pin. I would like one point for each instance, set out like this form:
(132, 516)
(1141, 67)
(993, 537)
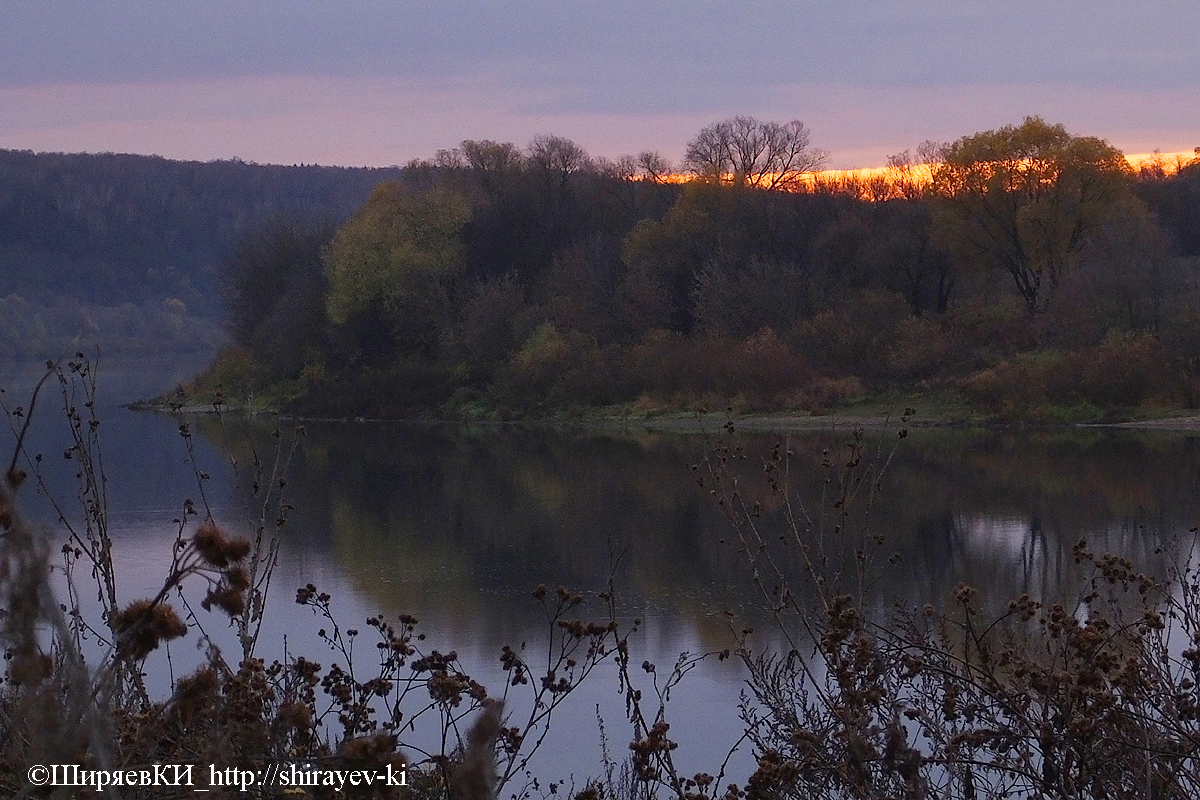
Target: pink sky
(367, 82)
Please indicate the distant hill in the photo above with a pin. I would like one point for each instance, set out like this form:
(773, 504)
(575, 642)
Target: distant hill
(122, 249)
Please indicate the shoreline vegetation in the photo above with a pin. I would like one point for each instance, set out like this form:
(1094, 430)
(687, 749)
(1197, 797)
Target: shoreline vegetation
(868, 415)
(1020, 276)
(880, 412)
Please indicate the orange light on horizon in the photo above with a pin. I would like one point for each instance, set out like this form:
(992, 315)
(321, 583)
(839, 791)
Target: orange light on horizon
(885, 180)
(1169, 162)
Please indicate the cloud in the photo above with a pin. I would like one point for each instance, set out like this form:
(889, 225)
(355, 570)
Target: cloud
(384, 121)
(290, 79)
(580, 46)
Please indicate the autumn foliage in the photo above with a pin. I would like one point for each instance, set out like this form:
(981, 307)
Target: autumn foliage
(1024, 269)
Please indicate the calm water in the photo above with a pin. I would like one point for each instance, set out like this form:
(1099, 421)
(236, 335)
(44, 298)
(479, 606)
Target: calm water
(456, 526)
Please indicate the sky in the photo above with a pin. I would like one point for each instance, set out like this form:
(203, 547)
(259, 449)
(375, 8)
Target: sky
(380, 82)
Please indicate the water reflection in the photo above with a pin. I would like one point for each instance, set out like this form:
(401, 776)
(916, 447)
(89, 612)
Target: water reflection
(456, 526)
(445, 521)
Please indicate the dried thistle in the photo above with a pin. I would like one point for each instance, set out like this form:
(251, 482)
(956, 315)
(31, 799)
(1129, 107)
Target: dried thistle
(143, 624)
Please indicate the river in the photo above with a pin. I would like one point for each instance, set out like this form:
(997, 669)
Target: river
(457, 525)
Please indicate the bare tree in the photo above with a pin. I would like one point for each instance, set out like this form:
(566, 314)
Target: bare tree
(653, 167)
(625, 168)
(485, 155)
(746, 152)
(646, 166)
(911, 176)
(494, 163)
(557, 154)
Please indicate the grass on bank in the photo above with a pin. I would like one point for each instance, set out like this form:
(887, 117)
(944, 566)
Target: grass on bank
(1126, 380)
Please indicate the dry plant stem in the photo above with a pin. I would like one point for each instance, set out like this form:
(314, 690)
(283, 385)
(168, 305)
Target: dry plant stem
(563, 654)
(93, 540)
(78, 389)
(64, 699)
(723, 486)
(1096, 699)
(254, 713)
(267, 506)
(19, 448)
(93, 487)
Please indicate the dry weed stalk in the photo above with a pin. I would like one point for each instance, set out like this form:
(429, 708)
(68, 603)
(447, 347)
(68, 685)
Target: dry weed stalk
(47, 708)
(55, 708)
(1095, 700)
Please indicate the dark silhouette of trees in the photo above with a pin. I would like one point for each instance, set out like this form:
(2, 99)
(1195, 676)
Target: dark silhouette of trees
(905, 254)
(117, 248)
(746, 152)
(557, 155)
(910, 175)
(275, 291)
(507, 277)
(494, 165)
(653, 167)
(1175, 203)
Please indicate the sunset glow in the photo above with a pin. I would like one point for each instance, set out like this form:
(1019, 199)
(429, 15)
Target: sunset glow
(889, 182)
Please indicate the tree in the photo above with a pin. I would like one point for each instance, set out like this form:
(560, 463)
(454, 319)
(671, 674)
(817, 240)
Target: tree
(1025, 199)
(1125, 273)
(670, 252)
(557, 154)
(739, 299)
(494, 163)
(746, 152)
(274, 288)
(653, 167)
(910, 176)
(393, 260)
(1175, 202)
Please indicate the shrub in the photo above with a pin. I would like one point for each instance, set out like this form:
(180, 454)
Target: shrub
(756, 373)
(234, 372)
(920, 350)
(856, 338)
(763, 369)
(1124, 371)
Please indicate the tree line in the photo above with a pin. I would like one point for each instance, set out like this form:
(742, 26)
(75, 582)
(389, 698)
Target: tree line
(1030, 269)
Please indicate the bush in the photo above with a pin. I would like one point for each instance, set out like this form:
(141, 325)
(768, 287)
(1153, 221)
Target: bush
(552, 369)
(762, 369)
(234, 372)
(857, 338)
(1125, 371)
(757, 373)
(920, 350)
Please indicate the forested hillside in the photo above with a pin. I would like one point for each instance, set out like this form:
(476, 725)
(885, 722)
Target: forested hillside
(122, 249)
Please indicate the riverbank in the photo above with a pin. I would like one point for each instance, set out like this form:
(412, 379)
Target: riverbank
(943, 409)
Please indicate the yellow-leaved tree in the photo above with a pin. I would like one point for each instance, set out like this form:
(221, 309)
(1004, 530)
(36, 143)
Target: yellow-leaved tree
(390, 265)
(1025, 199)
